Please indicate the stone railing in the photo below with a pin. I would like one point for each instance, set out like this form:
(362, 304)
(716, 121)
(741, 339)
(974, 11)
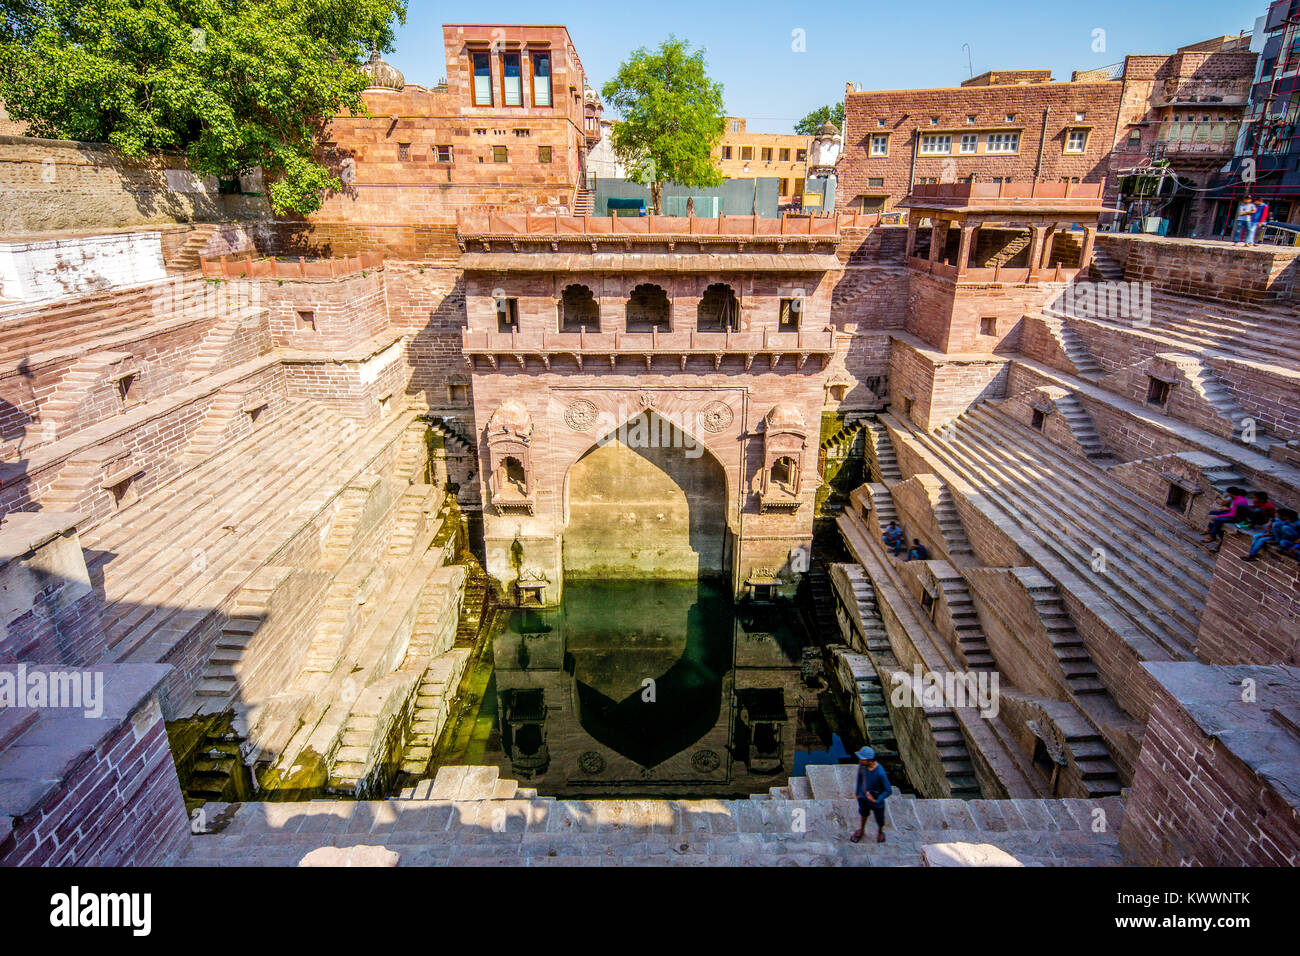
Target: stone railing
(250, 268)
(507, 226)
(644, 343)
(1082, 194)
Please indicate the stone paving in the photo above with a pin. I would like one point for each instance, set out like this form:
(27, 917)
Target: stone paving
(546, 832)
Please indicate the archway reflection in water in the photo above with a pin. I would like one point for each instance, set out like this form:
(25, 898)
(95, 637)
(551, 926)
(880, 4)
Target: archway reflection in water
(653, 688)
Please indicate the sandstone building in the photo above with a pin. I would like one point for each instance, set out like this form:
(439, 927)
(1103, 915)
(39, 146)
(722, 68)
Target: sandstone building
(745, 155)
(275, 482)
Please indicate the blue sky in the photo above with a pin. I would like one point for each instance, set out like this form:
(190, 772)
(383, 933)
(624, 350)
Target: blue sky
(881, 45)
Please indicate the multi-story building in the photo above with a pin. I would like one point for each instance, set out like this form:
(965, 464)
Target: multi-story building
(745, 155)
(1178, 122)
(1266, 160)
(509, 128)
(999, 127)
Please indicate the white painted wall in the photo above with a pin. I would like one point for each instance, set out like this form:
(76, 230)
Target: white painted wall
(58, 268)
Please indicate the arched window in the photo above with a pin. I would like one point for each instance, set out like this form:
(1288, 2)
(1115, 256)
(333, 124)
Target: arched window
(719, 309)
(513, 477)
(648, 308)
(579, 310)
(783, 472)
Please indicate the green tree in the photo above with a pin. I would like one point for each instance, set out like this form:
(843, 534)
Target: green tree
(671, 117)
(234, 84)
(810, 124)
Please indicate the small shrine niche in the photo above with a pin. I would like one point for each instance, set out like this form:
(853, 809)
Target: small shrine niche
(785, 437)
(510, 459)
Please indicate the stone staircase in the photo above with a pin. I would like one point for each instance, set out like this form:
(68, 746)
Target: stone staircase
(954, 534)
(882, 502)
(1140, 560)
(220, 678)
(810, 827)
(883, 461)
(215, 345)
(972, 646)
(433, 703)
(186, 258)
(584, 201)
(1103, 267)
(85, 395)
(1009, 251)
(157, 556)
(211, 434)
(1085, 432)
(68, 323)
(1066, 643)
(1085, 364)
(410, 514)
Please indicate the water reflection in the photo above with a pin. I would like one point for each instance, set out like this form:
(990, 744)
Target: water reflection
(655, 689)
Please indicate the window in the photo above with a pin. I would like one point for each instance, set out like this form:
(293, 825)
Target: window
(735, 127)
(482, 79)
(927, 604)
(801, 156)
(1003, 142)
(403, 151)
(747, 153)
(1078, 117)
(880, 144)
(305, 320)
(726, 152)
(522, 132)
(880, 122)
(124, 389)
(934, 121)
(1134, 137)
(936, 143)
(1038, 420)
(785, 187)
(500, 154)
(969, 142)
(989, 325)
(1076, 141)
(790, 311)
(541, 79)
(1158, 392)
(442, 154)
(457, 394)
(1178, 498)
(785, 155)
(970, 118)
(876, 182)
(543, 154)
(507, 315)
(512, 80)
(1011, 117)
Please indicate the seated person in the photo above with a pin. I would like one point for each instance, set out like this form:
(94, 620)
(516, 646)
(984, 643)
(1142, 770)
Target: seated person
(1283, 532)
(918, 551)
(893, 538)
(1233, 509)
(1260, 512)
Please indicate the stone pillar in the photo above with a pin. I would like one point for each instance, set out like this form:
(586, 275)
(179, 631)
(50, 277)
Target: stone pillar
(934, 241)
(1047, 247)
(1036, 251)
(911, 238)
(1085, 254)
(963, 250)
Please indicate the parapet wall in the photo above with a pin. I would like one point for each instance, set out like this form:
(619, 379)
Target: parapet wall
(1207, 270)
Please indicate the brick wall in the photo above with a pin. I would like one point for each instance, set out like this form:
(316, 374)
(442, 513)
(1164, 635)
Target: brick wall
(1208, 791)
(1206, 270)
(1251, 614)
(909, 112)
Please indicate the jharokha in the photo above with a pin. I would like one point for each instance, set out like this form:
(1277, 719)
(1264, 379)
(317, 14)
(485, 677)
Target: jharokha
(684, 509)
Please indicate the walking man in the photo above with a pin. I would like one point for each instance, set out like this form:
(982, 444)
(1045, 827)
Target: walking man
(1245, 228)
(873, 789)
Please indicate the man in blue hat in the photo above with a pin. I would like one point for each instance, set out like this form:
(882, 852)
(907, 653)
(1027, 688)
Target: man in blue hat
(873, 790)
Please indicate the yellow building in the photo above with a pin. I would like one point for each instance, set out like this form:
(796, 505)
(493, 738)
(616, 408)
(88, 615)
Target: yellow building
(743, 155)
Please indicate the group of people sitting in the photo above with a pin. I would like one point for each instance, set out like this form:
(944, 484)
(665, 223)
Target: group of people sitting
(895, 540)
(1254, 513)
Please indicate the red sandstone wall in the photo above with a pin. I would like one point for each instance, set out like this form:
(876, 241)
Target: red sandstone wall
(1252, 613)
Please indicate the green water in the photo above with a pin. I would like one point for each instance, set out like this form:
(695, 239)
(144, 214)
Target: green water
(647, 688)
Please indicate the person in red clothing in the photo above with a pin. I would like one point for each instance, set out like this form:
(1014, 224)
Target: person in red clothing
(1260, 512)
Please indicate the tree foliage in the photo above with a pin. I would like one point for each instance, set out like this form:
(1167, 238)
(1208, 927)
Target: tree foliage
(234, 84)
(810, 124)
(671, 117)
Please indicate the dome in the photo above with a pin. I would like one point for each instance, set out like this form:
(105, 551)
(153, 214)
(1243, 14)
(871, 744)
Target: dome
(785, 418)
(382, 75)
(511, 418)
(591, 96)
(828, 129)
